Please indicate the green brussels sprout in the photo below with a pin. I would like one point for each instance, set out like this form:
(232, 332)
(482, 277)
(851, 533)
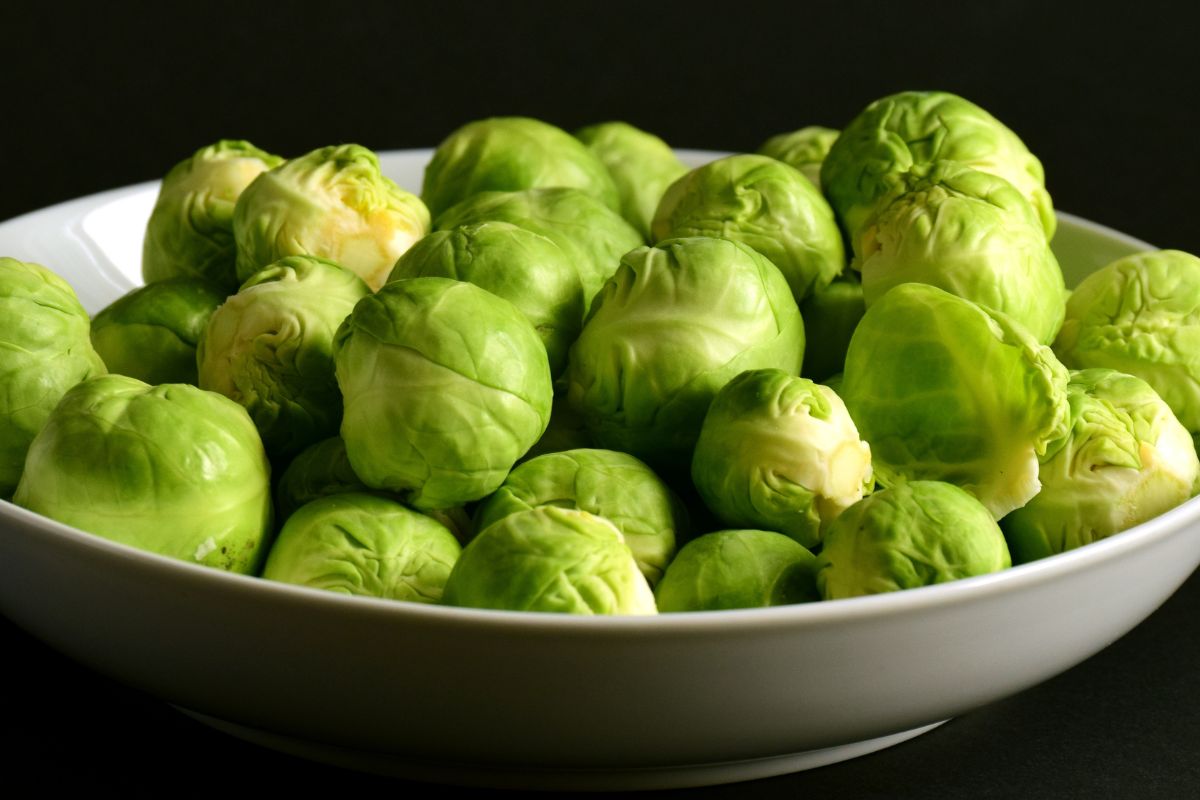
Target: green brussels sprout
(319, 470)
(44, 351)
(524, 268)
(765, 204)
(152, 332)
(895, 133)
(172, 469)
(270, 348)
(641, 164)
(508, 154)
(1141, 315)
(804, 149)
(909, 535)
(446, 385)
(333, 203)
(190, 232)
(363, 544)
(947, 390)
(780, 453)
(969, 233)
(674, 324)
(608, 484)
(593, 236)
(1125, 460)
(550, 559)
(738, 569)
(830, 316)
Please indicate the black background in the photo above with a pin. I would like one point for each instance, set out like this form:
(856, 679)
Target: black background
(1109, 100)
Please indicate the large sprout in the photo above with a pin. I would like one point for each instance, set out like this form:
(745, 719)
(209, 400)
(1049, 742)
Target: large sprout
(1141, 315)
(946, 390)
(593, 236)
(641, 165)
(608, 484)
(907, 536)
(805, 149)
(270, 348)
(738, 569)
(333, 203)
(446, 385)
(1125, 460)
(765, 204)
(152, 332)
(900, 131)
(523, 267)
(969, 233)
(172, 469)
(675, 324)
(780, 453)
(44, 350)
(363, 544)
(550, 559)
(506, 154)
(190, 232)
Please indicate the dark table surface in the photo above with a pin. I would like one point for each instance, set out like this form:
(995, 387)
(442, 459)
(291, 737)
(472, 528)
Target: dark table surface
(1110, 101)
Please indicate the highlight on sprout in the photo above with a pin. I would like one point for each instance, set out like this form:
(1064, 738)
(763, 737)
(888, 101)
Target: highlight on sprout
(334, 203)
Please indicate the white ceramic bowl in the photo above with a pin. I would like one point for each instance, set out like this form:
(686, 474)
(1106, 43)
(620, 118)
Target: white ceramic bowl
(503, 698)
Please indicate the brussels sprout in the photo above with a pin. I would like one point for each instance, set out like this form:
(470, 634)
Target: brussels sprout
(765, 204)
(593, 236)
(365, 545)
(781, 453)
(524, 268)
(319, 470)
(270, 348)
(550, 559)
(804, 149)
(612, 485)
(830, 317)
(673, 325)
(190, 232)
(1125, 460)
(446, 385)
(152, 332)
(897, 132)
(738, 569)
(1141, 315)
(333, 203)
(909, 535)
(172, 469)
(44, 351)
(641, 164)
(507, 154)
(947, 390)
(969, 233)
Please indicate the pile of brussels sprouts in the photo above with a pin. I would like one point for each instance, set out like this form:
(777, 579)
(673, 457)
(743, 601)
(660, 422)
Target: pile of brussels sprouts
(575, 375)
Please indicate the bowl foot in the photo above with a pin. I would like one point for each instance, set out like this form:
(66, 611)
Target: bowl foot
(565, 779)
